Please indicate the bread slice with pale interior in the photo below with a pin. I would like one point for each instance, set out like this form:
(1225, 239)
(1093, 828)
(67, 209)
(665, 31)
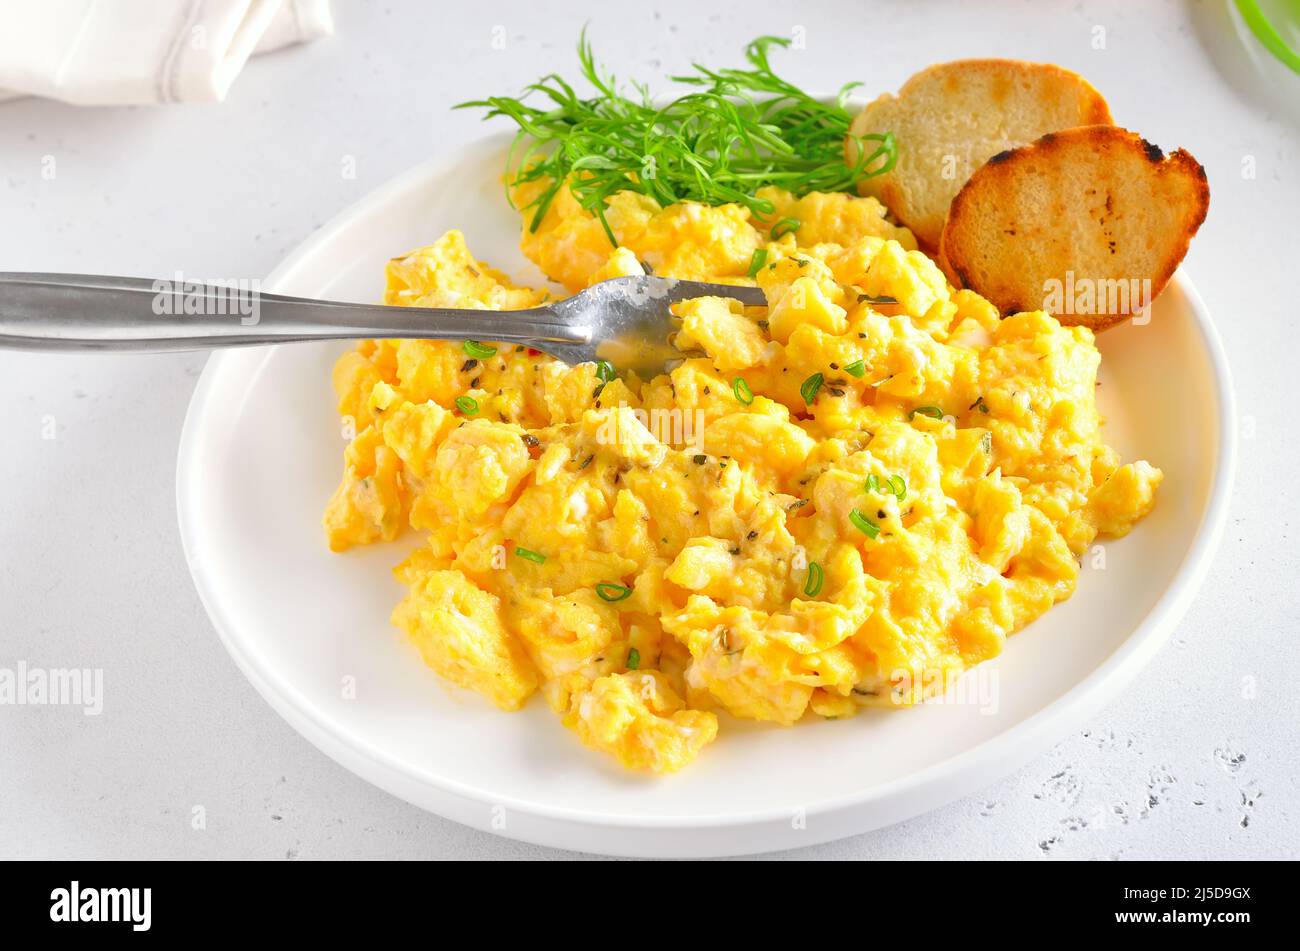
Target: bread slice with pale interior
(1088, 224)
(948, 120)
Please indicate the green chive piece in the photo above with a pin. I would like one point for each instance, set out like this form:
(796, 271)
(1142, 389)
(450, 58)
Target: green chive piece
(873, 483)
(986, 443)
(863, 524)
(757, 261)
(633, 658)
(872, 299)
(813, 586)
(467, 405)
(898, 485)
(479, 351)
(933, 412)
(810, 387)
(609, 591)
(857, 368)
(535, 557)
(744, 395)
(605, 371)
(784, 227)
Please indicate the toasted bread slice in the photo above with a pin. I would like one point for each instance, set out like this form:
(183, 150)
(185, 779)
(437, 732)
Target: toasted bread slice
(1087, 223)
(949, 119)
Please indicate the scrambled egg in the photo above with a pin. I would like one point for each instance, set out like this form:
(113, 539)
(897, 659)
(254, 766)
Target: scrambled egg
(840, 500)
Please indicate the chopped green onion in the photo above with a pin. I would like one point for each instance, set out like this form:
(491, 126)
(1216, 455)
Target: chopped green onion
(872, 299)
(986, 443)
(810, 387)
(534, 556)
(467, 405)
(857, 368)
(744, 395)
(479, 351)
(863, 524)
(609, 591)
(605, 371)
(813, 586)
(633, 658)
(933, 412)
(784, 227)
(757, 261)
(980, 405)
(895, 485)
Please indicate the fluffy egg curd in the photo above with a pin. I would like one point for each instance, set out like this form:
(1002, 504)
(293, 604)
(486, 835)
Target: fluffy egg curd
(841, 500)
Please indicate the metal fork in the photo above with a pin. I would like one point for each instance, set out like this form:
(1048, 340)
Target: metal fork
(624, 320)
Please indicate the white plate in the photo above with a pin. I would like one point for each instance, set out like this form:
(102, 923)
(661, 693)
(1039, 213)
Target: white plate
(261, 452)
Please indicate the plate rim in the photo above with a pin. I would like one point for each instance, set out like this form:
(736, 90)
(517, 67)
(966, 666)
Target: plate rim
(958, 775)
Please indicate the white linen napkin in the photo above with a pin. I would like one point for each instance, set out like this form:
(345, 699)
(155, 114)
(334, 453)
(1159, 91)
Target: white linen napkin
(119, 52)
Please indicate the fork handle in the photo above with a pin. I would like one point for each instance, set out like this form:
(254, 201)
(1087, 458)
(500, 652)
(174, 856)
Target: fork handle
(87, 312)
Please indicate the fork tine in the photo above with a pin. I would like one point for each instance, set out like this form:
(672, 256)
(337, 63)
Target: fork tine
(749, 296)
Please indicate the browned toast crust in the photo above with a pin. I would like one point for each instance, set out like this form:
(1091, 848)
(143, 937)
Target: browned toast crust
(1098, 203)
(949, 118)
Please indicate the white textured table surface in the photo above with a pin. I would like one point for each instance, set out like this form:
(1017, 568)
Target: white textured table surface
(1198, 759)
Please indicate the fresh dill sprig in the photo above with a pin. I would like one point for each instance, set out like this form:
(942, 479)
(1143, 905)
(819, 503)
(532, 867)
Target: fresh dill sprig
(736, 131)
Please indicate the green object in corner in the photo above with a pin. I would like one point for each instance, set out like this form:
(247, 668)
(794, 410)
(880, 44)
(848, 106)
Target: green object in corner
(1268, 34)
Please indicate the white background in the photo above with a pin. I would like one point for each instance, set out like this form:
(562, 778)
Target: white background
(1199, 759)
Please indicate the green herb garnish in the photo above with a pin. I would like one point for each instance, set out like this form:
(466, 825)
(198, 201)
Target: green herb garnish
(784, 227)
(479, 351)
(933, 412)
(757, 261)
(810, 387)
(609, 591)
(863, 524)
(535, 557)
(605, 371)
(872, 299)
(895, 485)
(813, 586)
(467, 405)
(744, 395)
(633, 658)
(857, 368)
(733, 132)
